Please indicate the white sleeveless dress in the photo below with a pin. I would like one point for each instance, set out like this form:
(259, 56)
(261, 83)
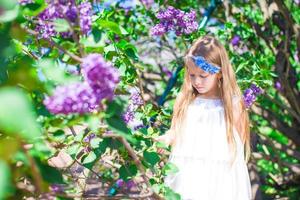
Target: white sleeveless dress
(203, 159)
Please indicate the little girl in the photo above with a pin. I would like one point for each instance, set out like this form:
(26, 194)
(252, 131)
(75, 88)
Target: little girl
(209, 129)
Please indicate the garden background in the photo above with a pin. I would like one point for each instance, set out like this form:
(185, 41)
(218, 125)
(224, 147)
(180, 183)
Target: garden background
(85, 86)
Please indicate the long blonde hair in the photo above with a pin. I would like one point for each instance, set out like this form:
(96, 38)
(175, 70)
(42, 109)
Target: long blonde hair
(214, 52)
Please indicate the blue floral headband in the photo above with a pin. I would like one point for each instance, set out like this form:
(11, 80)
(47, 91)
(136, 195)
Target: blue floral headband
(203, 64)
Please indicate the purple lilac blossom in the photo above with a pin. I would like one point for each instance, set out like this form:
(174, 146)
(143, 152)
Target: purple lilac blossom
(250, 94)
(120, 182)
(129, 184)
(57, 188)
(128, 116)
(100, 80)
(88, 138)
(73, 98)
(235, 40)
(85, 19)
(167, 71)
(176, 20)
(100, 75)
(278, 85)
(60, 9)
(136, 99)
(255, 89)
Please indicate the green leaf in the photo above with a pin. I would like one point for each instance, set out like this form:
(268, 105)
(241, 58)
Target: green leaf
(95, 142)
(59, 135)
(54, 72)
(96, 34)
(9, 10)
(49, 174)
(8, 5)
(51, 70)
(129, 49)
(115, 122)
(169, 168)
(127, 172)
(112, 26)
(73, 149)
(171, 195)
(16, 114)
(93, 123)
(151, 157)
(33, 9)
(89, 158)
(5, 180)
(61, 25)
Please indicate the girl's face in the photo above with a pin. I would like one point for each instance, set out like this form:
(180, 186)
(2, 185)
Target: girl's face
(205, 83)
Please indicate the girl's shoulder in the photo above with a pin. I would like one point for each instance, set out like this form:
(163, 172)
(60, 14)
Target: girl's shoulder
(213, 103)
(205, 103)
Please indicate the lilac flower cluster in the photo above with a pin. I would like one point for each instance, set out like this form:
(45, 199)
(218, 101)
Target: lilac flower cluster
(128, 116)
(85, 20)
(250, 94)
(101, 75)
(176, 20)
(61, 9)
(74, 98)
(135, 101)
(121, 183)
(100, 81)
(235, 40)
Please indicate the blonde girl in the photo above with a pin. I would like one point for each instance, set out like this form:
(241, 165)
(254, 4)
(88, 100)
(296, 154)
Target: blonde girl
(209, 134)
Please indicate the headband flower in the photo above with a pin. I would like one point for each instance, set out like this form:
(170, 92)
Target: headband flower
(203, 64)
